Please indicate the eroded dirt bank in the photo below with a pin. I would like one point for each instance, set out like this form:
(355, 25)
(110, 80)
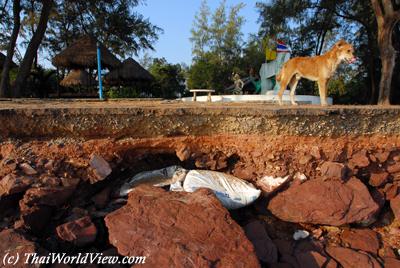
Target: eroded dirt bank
(57, 193)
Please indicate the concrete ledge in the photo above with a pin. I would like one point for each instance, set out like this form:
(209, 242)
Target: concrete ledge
(138, 119)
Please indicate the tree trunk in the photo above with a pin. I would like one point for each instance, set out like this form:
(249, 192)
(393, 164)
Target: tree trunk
(388, 57)
(5, 74)
(386, 18)
(32, 48)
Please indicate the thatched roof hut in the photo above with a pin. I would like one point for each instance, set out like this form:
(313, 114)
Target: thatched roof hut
(78, 78)
(83, 54)
(129, 71)
(3, 59)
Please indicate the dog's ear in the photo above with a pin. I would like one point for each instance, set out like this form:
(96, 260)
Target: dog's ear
(340, 43)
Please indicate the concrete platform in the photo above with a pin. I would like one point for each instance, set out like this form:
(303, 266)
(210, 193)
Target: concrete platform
(25, 118)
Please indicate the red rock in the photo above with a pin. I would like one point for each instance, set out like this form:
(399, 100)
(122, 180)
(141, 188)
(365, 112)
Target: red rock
(178, 229)
(12, 184)
(70, 182)
(387, 252)
(391, 263)
(378, 179)
(101, 168)
(222, 162)
(359, 159)
(38, 203)
(382, 156)
(325, 202)
(245, 173)
(183, 153)
(395, 206)
(333, 170)
(394, 168)
(27, 169)
(349, 258)
(331, 263)
(317, 233)
(316, 152)
(48, 196)
(49, 166)
(13, 243)
(8, 165)
(50, 181)
(80, 232)
(391, 191)
(212, 161)
(362, 239)
(305, 159)
(265, 249)
(201, 161)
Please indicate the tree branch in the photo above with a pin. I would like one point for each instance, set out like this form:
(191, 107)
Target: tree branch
(388, 7)
(378, 11)
(3, 9)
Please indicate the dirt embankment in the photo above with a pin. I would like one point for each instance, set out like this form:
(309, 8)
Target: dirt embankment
(63, 162)
(145, 119)
(56, 193)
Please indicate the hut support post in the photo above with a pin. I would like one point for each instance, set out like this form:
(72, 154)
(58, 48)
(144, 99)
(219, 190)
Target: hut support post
(99, 72)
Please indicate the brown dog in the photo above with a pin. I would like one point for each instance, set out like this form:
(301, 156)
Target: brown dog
(318, 68)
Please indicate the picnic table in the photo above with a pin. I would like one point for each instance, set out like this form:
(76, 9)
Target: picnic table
(208, 91)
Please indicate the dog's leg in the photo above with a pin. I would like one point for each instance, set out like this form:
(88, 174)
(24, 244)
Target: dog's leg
(322, 91)
(284, 83)
(293, 84)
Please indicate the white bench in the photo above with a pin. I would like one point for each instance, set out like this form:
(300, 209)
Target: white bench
(208, 91)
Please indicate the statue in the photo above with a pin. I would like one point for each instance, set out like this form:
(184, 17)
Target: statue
(238, 83)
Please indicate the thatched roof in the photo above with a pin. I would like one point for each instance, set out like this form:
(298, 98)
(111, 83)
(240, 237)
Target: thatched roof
(83, 54)
(129, 71)
(3, 59)
(78, 78)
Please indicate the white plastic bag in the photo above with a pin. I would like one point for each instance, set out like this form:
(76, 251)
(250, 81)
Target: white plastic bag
(172, 175)
(270, 185)
(231, 191)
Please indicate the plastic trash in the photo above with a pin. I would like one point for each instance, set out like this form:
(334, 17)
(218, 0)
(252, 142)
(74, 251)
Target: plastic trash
(172, 175)
(269, 184)
(300, 176)
(300, 234)
(231, 191)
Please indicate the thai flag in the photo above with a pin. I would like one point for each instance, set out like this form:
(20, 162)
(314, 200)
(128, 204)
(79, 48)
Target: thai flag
(281, 47)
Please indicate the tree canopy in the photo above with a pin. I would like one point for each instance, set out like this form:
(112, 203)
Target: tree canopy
(54, 24)
(217, 42)
(115, 23)
(311, 26)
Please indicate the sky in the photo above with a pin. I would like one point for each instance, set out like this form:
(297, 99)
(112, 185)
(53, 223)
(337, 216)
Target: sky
(176, 17)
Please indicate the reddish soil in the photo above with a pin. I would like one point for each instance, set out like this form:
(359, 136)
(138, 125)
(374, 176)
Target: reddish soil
(43, 172)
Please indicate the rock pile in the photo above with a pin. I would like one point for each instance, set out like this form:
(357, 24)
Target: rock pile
(179, 229)
(61, 197)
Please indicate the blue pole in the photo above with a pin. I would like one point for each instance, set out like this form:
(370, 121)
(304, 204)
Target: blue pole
(99, 71)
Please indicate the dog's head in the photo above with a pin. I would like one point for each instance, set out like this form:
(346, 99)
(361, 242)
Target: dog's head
(345, 51)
